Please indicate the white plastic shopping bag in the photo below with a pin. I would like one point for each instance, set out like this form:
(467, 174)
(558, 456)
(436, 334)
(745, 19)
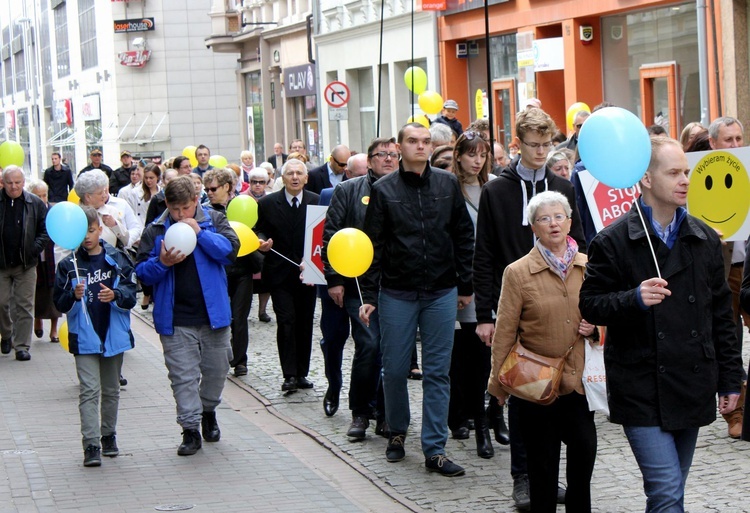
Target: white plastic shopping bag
(594, 377)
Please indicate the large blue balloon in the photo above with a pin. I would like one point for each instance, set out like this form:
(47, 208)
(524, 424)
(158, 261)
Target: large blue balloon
(615, 147)
(67, 225)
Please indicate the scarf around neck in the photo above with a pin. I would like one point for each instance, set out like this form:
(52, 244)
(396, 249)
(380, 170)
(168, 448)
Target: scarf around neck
(558, 265)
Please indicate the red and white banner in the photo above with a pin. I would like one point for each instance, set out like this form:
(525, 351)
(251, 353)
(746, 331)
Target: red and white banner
(313, 258)
(605, 203)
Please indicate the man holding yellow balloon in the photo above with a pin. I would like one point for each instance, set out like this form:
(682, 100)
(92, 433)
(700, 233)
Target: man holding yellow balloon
(423, 240)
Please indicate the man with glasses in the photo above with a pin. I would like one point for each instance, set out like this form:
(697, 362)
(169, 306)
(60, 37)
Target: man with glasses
(572, 142)
(347, 210)
(504, 235)
(330, 173)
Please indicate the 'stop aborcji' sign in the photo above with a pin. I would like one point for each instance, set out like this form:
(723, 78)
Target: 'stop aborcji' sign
(136, 25)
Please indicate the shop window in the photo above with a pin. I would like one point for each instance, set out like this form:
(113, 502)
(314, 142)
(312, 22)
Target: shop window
(643, 39)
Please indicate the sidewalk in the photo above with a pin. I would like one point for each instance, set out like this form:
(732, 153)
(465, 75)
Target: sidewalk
(263, 462)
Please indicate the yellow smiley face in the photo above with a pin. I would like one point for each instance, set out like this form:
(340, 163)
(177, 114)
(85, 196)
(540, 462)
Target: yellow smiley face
(719, 192)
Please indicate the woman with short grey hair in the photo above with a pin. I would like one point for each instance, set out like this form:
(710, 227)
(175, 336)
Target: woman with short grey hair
(93, 189)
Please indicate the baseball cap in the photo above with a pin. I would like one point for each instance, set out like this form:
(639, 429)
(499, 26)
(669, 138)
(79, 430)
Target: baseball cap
(96, 151)
(450, 104)
(125, 153)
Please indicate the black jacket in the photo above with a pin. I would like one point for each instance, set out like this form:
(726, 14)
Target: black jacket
(104, 167)
(664, 364)
(454, 124)
(421, 232)
(35, 236)
(119, 178)
(346, 210)
(60, 183)
(317, 179)
(502, 236)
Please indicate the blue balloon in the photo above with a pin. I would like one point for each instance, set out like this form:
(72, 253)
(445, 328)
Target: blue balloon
(615, 147)
(67, 225)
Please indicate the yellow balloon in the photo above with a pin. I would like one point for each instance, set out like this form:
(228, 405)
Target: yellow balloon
(189, 152)
(421, 119)
(573, 110)
(248, 240)
(62, 333)
(73, 197)
(416, 80)
(430, 102)
(350, 252)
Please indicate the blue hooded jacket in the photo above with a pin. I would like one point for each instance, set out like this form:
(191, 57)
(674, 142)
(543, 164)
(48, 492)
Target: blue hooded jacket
(82, 337)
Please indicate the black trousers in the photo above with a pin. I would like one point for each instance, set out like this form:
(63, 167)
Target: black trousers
(240, 289)
(294, 306)
(544, 428)
(470, 370)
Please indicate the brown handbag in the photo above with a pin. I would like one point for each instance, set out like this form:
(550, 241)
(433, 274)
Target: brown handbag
(531, 376)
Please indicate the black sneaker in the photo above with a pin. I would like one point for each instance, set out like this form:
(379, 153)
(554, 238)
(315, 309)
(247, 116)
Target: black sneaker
(240, 370)
(6, 344)
(211, 431)
(123, 381)
(395, 450)
(92, 457)
(109, 446)
(358, 428)
(521, 492)
(191, 442)
(441, 464)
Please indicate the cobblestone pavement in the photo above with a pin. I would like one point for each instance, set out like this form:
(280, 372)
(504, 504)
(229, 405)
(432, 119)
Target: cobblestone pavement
(718, 480)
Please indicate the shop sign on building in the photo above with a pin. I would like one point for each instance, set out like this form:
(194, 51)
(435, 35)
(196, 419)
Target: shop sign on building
(134, 25)
(134, 58)
(299, 81)
(64, 112)
(549, 54)
(90, 108)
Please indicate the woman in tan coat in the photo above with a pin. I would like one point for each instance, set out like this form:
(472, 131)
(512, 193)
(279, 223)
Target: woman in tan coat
(539, 306)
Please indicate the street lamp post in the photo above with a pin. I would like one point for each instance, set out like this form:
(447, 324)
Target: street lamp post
(31, 76)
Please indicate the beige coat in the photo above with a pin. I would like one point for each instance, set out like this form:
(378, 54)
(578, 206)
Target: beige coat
(542, 310)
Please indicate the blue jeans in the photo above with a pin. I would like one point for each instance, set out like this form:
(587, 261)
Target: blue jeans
(436, 319)
(664, 458)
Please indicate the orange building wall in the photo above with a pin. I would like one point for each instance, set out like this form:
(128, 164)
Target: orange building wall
(581, 79)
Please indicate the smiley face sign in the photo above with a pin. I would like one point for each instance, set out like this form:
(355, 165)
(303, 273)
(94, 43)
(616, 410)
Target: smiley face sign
(719, 192)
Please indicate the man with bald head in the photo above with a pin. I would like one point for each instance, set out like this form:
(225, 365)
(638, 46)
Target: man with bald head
(22, 238)
(331, 173)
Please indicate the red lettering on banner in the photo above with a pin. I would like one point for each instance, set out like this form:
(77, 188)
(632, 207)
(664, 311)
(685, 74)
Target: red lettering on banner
(612, 203)
(317, 245)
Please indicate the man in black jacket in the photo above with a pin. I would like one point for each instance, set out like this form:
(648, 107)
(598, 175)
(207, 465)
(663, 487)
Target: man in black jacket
(331, 173)
(59, 180)
(423, 239)
(23, 236)
(504, 235)
(96, 163)
(671, 340)
(121, 176)
(347, 210)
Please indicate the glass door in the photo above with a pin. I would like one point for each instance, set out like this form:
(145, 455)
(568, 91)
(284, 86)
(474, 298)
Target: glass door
(659, 96)
(504, 110)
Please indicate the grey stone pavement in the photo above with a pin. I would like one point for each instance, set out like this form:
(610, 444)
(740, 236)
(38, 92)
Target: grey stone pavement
(279, 452)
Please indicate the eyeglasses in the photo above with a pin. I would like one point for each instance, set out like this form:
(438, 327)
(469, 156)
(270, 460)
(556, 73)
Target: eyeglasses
(559, 218)
(535, 146)
(214, 189)
(340, 164)
(385, 154)
(258, 182)
(472, 134)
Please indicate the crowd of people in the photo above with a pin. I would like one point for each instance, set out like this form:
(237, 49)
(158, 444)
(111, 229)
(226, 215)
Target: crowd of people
(477, 249)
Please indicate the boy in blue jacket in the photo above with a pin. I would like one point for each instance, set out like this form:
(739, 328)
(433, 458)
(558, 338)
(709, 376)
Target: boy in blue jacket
(191, 308)
(97, 301)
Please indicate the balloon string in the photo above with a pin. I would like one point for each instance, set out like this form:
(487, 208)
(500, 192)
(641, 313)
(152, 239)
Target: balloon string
(78, 280)
(650, 245)
(361, 301)
(285, 258)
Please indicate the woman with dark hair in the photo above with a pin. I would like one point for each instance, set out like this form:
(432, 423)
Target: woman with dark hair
(699, 142)
(470, 360)
(219, 185)
(442, 157)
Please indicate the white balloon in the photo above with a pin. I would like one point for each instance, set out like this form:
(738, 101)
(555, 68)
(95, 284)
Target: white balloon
(181, 237)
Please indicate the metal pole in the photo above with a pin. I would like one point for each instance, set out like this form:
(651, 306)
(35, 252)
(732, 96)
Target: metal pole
(700, 9)
(490, 99)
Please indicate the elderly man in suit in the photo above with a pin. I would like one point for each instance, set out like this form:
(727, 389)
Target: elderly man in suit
(281, 225)
(331, 173)
(278, 158)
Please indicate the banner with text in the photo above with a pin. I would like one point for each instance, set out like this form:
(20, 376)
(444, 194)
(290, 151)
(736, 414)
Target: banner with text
(314, 221)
